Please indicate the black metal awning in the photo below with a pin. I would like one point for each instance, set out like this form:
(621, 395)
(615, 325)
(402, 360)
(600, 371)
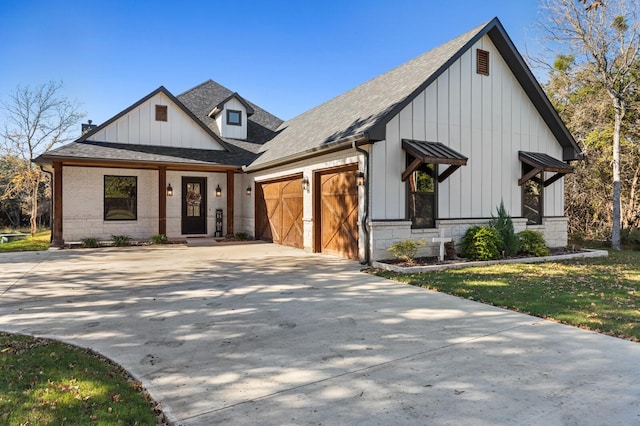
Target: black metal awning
(539, 162)
(432, 153)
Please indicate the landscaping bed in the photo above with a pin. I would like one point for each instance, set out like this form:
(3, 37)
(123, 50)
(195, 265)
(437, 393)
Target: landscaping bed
(426, 264)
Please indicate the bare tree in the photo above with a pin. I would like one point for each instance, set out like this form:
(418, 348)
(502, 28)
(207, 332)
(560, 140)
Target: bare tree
(604, 35)
(37, 119)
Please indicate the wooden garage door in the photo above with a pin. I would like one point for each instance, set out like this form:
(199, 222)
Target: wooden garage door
(338, 209)
(279, 211)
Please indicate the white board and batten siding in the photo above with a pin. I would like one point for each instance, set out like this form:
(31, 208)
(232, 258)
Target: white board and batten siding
(232, 131)
(486, 118)
(139, 127)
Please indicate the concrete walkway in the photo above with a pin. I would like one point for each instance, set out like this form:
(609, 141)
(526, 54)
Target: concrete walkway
(269, 335)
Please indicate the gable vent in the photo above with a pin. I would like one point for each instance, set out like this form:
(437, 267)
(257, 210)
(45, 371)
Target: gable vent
(482, 62)
(161, 113)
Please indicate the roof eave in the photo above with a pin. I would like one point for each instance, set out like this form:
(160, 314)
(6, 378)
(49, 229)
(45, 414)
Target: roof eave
(338, 145)
(48, 160)
(163, 90)
(517, 65)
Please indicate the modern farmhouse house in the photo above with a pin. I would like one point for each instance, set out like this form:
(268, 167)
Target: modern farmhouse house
(426, 149)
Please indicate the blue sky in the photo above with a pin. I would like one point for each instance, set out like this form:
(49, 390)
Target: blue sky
(285, 56)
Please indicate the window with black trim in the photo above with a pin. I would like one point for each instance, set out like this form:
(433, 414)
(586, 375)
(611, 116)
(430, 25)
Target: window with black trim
(422, 186)
(120, 197)
(532, 198)
(234, 118)
(162, 113)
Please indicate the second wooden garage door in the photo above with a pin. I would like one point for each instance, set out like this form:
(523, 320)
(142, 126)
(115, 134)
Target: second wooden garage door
(337, 201)
(279, 208)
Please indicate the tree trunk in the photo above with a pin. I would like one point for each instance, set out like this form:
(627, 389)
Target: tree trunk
(618, 107)
(629, 217)
(34, 207)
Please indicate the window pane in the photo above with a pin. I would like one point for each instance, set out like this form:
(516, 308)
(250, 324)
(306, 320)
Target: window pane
(194, 199)
(422, 210)
(532, 202)
(233, 117)
(120, 198)
(422, 196)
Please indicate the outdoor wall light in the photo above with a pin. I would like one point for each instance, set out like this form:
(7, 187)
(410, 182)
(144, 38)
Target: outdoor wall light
(218, 191)
(249, 190)
(305, 183)
(169, 191)
(360, 178)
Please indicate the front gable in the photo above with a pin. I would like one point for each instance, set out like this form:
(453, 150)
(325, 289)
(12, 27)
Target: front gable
(487, 117)
(156, 120)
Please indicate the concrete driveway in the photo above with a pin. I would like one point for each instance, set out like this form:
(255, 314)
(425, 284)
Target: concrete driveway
(272, 335)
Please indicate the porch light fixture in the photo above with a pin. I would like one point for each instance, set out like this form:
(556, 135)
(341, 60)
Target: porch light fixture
(169, 191)
(249, 190)
(218, 191)
(305, 183)
(360, 178)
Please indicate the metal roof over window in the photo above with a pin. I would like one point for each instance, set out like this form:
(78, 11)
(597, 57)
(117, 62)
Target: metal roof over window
(539, 162)
(432, 153)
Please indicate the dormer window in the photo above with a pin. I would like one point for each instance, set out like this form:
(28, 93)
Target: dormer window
(234, 117)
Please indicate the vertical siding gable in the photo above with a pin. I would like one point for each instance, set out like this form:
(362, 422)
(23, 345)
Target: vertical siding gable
(139, 127)
(234, 132)
(487, 118)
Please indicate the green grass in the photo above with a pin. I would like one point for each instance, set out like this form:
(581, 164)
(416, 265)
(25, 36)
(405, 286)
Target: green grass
(46, 382)
(38, 242)
(600, 294)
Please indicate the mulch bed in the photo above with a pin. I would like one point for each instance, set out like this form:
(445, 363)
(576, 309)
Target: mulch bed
(433, 260)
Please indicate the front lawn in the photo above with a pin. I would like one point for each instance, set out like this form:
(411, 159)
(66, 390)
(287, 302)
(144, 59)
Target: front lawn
(600, 294)
(38, 242)
(47, 382)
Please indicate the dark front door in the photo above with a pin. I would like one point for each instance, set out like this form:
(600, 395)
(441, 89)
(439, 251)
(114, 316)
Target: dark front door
(194, 205)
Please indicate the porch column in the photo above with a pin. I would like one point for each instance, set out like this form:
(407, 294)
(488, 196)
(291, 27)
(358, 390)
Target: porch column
(230, 199)
(162, 201)
(56, 230)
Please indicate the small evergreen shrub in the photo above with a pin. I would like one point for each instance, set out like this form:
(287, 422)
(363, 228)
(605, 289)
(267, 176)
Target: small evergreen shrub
(481, 243)
(509, 241)
(159, 239)
(89, 242)
(242, 236)
(121, 240)
(532, 244)
(406, 250)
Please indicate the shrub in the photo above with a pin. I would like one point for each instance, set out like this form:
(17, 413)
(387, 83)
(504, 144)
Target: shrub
(509, 241)
(532, 244)
(121, 240)
(631, 236)
(406, 249)
(89, 242)
(159, 239)
(242, 236)
(481, 243)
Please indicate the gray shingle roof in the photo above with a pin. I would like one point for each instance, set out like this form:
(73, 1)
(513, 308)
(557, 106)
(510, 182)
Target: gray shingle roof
(365, 110)
(201, 99)
(120, 152)
(359, 109)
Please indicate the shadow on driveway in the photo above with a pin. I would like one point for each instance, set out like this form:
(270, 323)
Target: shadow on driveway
(273, 335)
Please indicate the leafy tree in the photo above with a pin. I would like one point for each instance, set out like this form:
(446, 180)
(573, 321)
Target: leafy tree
(37, 119)
(603, 37)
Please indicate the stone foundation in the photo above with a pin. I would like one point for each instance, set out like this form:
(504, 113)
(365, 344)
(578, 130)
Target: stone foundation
(386, 233)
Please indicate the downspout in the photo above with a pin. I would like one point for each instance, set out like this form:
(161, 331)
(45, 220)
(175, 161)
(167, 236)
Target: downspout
(50, 202)
(365, 214)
